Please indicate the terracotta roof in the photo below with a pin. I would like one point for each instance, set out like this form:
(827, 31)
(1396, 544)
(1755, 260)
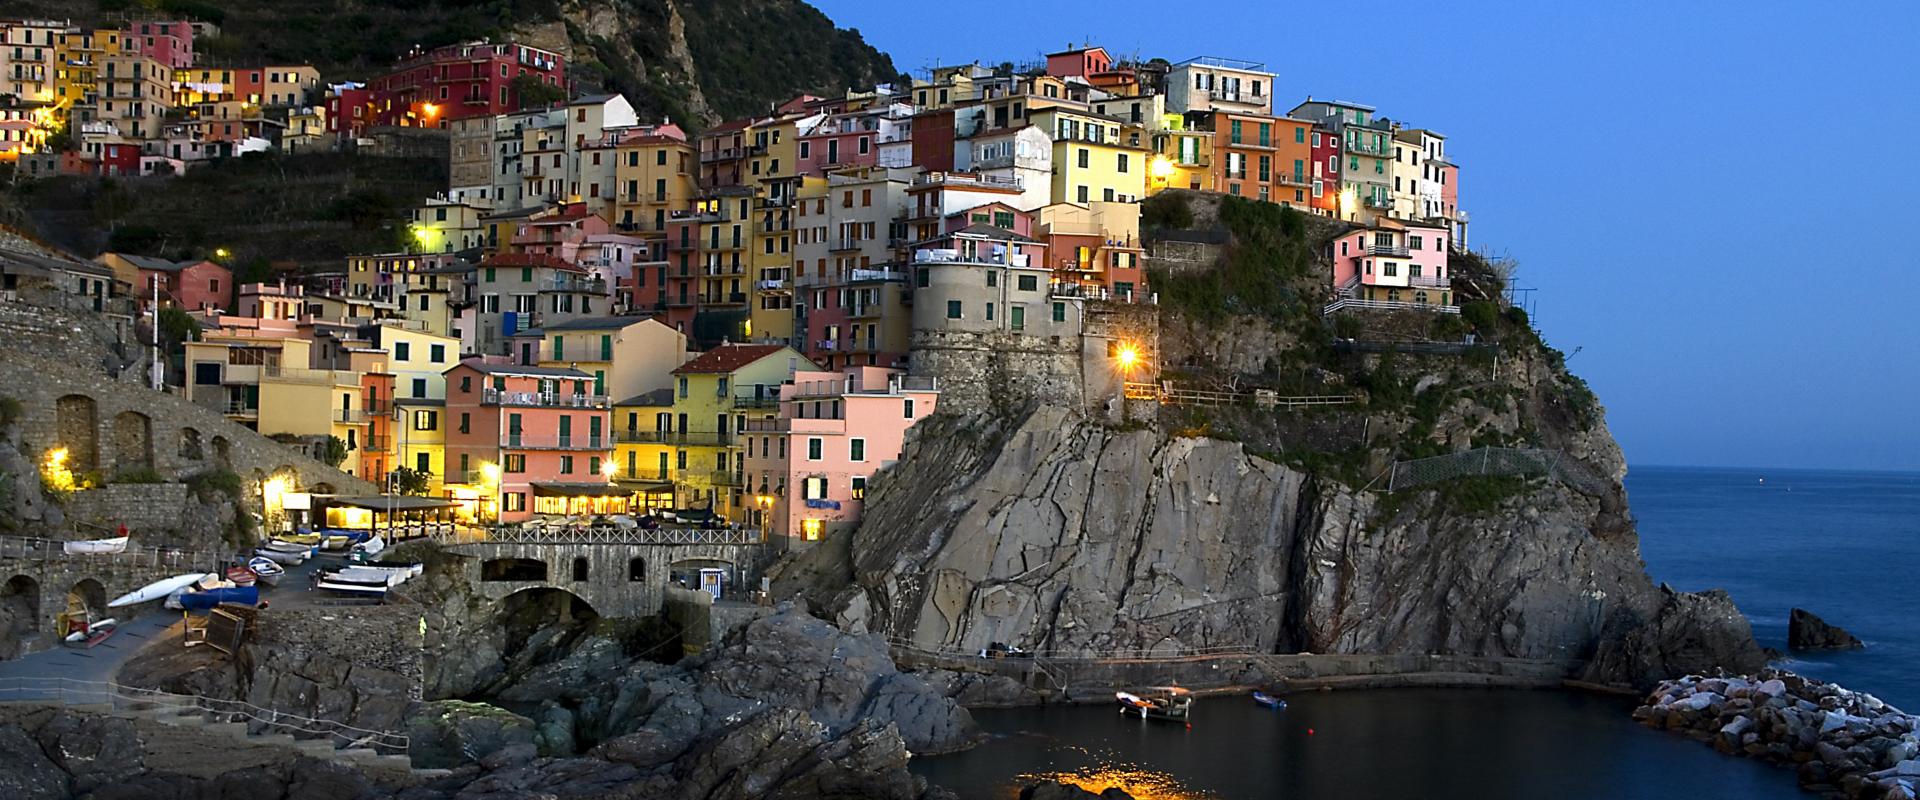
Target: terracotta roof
(727, 358)
(529, 260)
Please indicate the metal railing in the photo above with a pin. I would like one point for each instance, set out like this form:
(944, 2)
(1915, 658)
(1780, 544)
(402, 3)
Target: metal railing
(522, 442)
(725, 479)
(1429, 281)
(1552, 464)
(1346, 303)
(70, 691)
(1387, 250)
(38, 549)
(1377, 201)
(1293, 179)
(543, 399)
(541, 533)
(694, 438)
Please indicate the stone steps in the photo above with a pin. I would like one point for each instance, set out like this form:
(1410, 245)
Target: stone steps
(321, 747)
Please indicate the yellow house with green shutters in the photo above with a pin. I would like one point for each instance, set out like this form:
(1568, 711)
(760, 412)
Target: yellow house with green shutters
(420, 439)
(647, 456)
(626, 355)
(1096, 158)
(713, 397)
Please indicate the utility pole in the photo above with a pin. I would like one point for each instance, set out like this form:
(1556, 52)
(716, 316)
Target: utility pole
(157, 371)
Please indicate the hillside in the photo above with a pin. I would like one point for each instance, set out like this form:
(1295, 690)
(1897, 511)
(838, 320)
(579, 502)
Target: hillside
(696, 60)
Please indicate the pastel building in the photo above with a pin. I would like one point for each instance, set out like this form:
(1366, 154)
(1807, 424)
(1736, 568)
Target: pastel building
(807, 470)
(1207, 84)
(200, 285)
(715, 395)
(526, 440)
(1394, 262)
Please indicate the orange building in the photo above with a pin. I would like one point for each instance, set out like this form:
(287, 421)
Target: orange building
(1293, 163)
(530, 440)
(1245, 147)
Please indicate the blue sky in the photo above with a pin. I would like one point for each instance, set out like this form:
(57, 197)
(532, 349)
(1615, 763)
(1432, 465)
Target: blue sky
(1693, 189)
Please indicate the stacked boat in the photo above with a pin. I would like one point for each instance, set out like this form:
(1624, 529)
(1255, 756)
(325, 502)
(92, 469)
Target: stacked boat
(366, 580)
(284, 552)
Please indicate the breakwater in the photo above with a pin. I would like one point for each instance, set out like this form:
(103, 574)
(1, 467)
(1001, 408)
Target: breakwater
(1843, 743)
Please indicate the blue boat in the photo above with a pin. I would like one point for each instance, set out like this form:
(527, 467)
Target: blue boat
(202, 601)
(1268, 700)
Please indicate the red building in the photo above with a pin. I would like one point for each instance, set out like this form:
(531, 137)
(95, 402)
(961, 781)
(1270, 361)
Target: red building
(350, 111)
(169, 42)
(120, 159)
(1325, 197)
(475, 79)
(933, 140)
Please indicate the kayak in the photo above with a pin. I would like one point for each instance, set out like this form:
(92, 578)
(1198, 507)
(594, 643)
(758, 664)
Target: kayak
(160, 588)
(201, 601)
(115, 545)
(1268, 700)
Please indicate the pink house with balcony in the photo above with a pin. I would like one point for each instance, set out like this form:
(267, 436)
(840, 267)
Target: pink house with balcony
(807, 471)
(1393, 262)
(854, 139)
(564, 235)
(527, 440)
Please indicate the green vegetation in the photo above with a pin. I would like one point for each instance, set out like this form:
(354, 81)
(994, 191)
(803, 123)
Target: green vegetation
(335, 452)
(263, 207)
(1166, 211)
(1261, 276)
(410, 482)
(138, 475)
(535, 92)
(206, 485)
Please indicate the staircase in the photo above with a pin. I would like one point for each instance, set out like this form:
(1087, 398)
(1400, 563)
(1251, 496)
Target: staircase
(323, 747)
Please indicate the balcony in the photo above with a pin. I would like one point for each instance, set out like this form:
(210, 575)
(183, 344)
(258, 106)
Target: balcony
(946, 255)
(574, 285)
(1292, 179)
(495, 397)
(1378, 201)
(1429, 281)
(723, 269)
(655, 475)
(726, 479)
(516, 441)
(773, 284)
(969, 179)
(723, 299)
(842, 245)
(681, 438)
(1359, 147)
(756, 400)
(1396, 250)
(859, 275)
(722, 154)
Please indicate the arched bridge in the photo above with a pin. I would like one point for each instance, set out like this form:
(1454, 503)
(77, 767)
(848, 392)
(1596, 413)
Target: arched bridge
(619, 572)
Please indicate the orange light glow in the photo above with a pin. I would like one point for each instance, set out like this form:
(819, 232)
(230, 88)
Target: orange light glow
(1140, 783)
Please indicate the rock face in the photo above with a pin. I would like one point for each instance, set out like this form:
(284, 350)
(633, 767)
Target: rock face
(1055, 790)
(1843, 743)
(1805, 631)
(1058, 534)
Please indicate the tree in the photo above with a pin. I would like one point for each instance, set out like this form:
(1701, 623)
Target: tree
(336, 452)
(177, 326)
(536, 93)
(410, 482)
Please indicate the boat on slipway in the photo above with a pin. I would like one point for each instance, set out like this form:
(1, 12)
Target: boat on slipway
(284, 552)
(265, 570)
(1157, 702)
(160, 589)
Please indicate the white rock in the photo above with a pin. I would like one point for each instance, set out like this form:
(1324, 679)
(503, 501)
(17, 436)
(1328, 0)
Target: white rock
(1698, 702)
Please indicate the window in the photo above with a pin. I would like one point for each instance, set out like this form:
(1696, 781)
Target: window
(593, 465)
(993, 277)
(1123, 162)
(516, 462)
(953, 309)
(438, 352)
(1059, 312)
(1017, 319)
(989, 312)
(419, 387)
(566, 463)
(1299, 134)
(859, 487)
(516, 501)
(857, 450)
(1029, 283)
(908, 408)
(814, 488)
(813, 448)
(1085, 156)
(401, 351)
(1083, 194)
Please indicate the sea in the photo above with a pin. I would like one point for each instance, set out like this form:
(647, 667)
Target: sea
(1844, 545)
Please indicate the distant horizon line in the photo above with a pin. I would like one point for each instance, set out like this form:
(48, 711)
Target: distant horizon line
(1909, 471)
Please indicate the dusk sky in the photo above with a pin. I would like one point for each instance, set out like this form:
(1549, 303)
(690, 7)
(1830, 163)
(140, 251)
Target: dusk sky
(1656, 168)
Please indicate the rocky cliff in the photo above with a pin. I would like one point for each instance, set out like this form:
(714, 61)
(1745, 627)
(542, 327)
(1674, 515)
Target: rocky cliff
(1272, 529)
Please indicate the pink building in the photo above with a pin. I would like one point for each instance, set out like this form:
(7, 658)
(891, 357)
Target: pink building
(835, 431)
(529, 440)
(563, 236)
(1079, 62)
(1394, 262)
(854, 140)
(168, 42)
(190, 285)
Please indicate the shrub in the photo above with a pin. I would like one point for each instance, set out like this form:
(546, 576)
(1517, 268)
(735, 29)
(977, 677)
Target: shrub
(1481, 315)
(335, 453)
(138, 475)
(1170, 210)
(215, 481)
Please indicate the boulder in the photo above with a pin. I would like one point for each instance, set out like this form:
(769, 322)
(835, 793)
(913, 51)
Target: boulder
(94, 750)
(1805, 631)
(25, 772)
(447, 733)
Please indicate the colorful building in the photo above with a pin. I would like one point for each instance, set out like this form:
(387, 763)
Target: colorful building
(1091, 158)
(527, 440)
(427, 88)
(1208, 84)
(715, 395)
(1394, 262)
(807, 469)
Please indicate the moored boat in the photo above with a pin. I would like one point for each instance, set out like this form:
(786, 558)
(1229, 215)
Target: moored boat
(201, 601)
(160, 589)
(1157, 702)
(265, 570)
(1268, 700)
(283, 552)
(241, 576)
(367, 550)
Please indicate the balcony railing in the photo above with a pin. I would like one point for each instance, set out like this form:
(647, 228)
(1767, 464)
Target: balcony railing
(772, 284)
(1378, 201)
(756, 400)
(858, 275)
(654, 475)
(838, 245)
(543, 399)
(525, 442)
(1399, 250)
(727, 479)
(584, 285)
(1429, 281)
(1293, 179)
(684, 438)
(936, 255)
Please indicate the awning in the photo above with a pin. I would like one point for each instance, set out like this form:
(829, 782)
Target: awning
(650, 487)
(380, 502)
(579, 490)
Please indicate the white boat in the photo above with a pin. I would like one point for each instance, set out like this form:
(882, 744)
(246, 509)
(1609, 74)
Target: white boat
(161, 588)
(93, 628)
(265, 570)
(368, 549)
(117, 544)
(359, 580)
(284, 552)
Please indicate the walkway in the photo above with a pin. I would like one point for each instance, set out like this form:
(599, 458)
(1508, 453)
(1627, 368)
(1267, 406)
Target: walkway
(99, 663)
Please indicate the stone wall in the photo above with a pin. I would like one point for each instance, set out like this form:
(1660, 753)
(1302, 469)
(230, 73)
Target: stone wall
(620, 580)
(1000, 371)
(358, 665)
(141, 507)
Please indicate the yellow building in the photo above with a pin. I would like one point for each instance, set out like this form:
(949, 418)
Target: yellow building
(655, 173)
(949, 86)
(264, 382)
(1094, 157)
(79, 57)
(416, 357)
(775, 164)
(135, 93)
(646, 448)
(625, 355)
(446, 226)
(714, 396)
(1183, 157)
(420, 439)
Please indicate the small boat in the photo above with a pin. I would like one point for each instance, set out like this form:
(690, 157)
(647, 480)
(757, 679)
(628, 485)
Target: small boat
(360, 581)
(160, 589)
(367, 550)
(117, 544)
(1157, 702)
(241, 576)
(202, 601)
(101, 629)
(1268, 700)
(284, 552)
(265, 570)
(308, 539)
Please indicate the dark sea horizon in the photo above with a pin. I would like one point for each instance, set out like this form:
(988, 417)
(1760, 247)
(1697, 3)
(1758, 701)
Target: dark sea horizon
(1844, 544)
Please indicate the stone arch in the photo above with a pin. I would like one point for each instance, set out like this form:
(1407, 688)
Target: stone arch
(513, 569)
(132, 441)
(551, 601)
(636, 569)
(190, 448)
(222, 453)
(20, 601)
(87, 596)
(77, 428)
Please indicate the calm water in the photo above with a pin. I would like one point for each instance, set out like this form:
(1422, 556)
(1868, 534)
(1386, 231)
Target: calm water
(1844, 545)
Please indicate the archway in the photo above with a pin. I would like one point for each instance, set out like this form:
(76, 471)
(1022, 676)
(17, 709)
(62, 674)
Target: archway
(87, 599)
(513, 569)
(19, 615)
(190, 449)
(542, 624)
(77, 427)
(222, 454)
(132, 441)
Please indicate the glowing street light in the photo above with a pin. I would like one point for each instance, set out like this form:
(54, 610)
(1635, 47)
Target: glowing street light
(609, 469)
(1127, 357)
(1162, 167)
(489, 472)
(221, 252)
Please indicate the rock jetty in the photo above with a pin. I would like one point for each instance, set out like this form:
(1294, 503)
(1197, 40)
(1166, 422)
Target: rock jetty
(1844, 743)
(1807, 631)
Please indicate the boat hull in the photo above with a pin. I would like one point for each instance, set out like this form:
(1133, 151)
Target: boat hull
(158, 590)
